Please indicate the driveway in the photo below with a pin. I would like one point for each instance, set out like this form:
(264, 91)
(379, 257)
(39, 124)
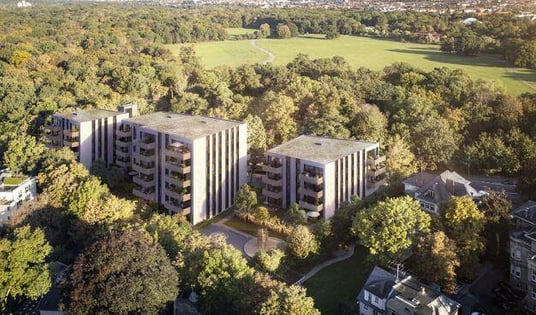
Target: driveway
(235, 238)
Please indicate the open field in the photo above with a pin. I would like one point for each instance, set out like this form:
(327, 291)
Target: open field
(367, 52)
(335, 288)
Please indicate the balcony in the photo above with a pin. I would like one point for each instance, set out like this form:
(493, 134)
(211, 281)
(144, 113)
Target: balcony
(311, 207)
(123, 142)
(71, 133)
(122, 153)
(311, 193)
(146, 156)
(178, 152)
(376, 172)
(147, 195)
(122, 163)
(176, 167)
(143, 181)
(271, 194)
(123, 132)
(272, 182)
(53, 136)
(181, 183)
(146, 169)
(176, 207)
(54, 128)
(373, 186)
(273, 169)
(374, 161)
(311, 178)
(146, 144)
(71, 143)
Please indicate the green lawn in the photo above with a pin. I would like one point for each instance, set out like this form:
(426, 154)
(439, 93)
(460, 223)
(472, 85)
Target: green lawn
(239, 31)
(367, 52)
(248, 228)
(336, 287)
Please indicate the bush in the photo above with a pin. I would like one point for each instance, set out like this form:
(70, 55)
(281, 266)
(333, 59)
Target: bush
(269, 261)
(272, 223)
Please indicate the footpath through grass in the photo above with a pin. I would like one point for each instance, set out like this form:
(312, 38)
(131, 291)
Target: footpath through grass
(371, 53)
(336, 287)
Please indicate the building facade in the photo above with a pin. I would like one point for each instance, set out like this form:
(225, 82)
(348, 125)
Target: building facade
(188, 164)
(89, 134)
(386, 294)
(321, 173)
(523, 253)
(14, 190)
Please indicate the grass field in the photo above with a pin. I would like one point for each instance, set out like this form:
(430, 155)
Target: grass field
(335, 288)
(367, 52)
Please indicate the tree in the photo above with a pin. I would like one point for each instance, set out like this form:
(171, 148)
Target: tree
(526, 183)
(342, 221)
(24, 270)
(491, 155)
(302, 242)
(496, 207)
(464, 224)
(434, 142)
(369, 124)
(283, 31)
(23, 153)
(169, 231)
(399, 160)
(245, 200)
(264, 30)
(278, 118)
(269, 261)
(295, 215)
(289, 301)
(436, 260)
(391, 226)
(122, 273)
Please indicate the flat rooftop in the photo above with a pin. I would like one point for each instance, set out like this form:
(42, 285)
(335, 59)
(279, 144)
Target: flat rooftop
(186, 126)
(88, 114)
(321, 150)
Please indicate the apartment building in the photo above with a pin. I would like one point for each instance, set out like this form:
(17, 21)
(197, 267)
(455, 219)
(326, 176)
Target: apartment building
(321, 173)
(387, 294)
(188, 164)
(14, 190)
(89, 133)
(523, 253)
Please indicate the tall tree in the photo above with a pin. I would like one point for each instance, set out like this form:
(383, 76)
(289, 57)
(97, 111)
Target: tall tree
(246, 200)
(400, 161)
(122, 273)
(289, 301)
(436, 260)
(302, 242)
(464, 224)
(23, 154)
(390, 227)
(24, 270)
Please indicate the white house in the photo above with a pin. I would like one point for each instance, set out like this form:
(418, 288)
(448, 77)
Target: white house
(14, 190)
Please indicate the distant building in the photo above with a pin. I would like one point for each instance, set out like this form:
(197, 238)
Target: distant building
(431, 190)
(23, 4)
(188, 164)
(14, 190)
(384, 294)
(89, 134)
(523, 253)
(321, 173)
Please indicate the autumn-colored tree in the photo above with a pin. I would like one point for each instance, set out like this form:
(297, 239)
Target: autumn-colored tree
(301, 242)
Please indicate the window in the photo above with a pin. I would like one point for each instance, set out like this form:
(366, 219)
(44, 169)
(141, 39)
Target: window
(516, 253)
(367, 296)
(516, 271)
(534, 275)
(376, 300)
(534, 293)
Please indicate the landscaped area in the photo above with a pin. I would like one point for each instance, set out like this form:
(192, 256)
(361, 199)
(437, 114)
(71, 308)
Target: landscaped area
(249, 228)
(336, 287)
(363, 52)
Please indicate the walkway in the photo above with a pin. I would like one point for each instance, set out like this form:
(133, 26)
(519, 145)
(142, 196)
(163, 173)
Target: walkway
(234, 237)
(271, 57)
(325, 264)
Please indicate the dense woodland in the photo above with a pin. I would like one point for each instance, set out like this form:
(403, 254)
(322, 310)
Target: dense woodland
(54, 58)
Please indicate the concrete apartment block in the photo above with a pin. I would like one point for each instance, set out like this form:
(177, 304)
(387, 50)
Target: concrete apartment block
(89, 133)
(14, 190)
(188, 164)
(321, 173)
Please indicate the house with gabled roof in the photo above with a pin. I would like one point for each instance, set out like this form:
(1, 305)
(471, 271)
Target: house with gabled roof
(386, 293)
(431, 190)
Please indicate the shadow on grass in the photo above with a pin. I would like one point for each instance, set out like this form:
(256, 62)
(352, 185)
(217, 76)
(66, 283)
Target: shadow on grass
(526, 75)
(441, 57)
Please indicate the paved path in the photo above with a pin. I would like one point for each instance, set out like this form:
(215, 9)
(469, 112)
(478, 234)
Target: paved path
(325, 264)
(234, 237)
(271, 57)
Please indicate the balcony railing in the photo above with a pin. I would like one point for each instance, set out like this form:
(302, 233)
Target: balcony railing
(123, 142)
(180, 153)
(146, 169)
(147, 195)
(123, 131)
(146, 156)
(71, 143)
(271, 194)
(122, 163)
(54, 128)
(272, 182)
(181, 183)
(277, 170)
(312, 178)
(71, 133)
(373, 161)
(311, 207)
(122, 153)
(311, 193)
(376, 172)
(180, 168)
(148, 144)
(145, 182)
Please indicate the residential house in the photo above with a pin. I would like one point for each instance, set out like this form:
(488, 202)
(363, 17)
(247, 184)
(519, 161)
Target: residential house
(431, 190)
(387, 294)
(320, 173)
(523, 253)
